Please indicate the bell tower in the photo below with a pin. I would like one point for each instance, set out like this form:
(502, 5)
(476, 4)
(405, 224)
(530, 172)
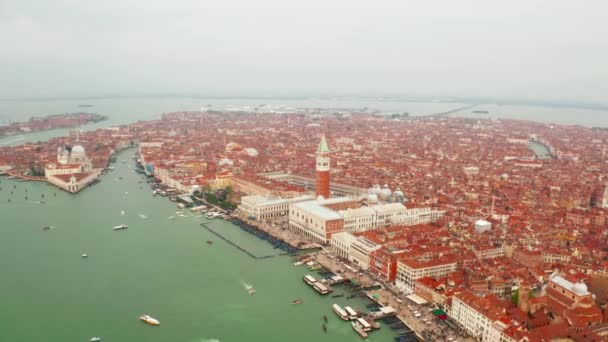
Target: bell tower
(323, 169)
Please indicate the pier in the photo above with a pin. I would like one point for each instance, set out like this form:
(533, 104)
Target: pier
(271, 239)
(444, 114)
(234, 244)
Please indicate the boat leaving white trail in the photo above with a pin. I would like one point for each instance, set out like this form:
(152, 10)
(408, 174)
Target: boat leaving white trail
(249, 288)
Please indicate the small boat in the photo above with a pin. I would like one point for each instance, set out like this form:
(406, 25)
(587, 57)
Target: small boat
(340, 312)
(324, 328)
(95, 339)
(297, 301)
(298, 263)
(120, 227)
(84, 256)
(325, 318)
(142, 216)
(45, 228)
(122, 212)
(249, 288)
(150, 320)
(171, 217)
(359, 329)
(209, 242)
(338, 295)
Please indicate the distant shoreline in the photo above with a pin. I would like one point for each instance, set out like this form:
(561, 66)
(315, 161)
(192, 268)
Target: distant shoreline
(590, 105)
(49, 123)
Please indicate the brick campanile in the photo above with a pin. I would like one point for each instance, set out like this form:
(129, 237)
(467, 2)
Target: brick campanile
(323, 169)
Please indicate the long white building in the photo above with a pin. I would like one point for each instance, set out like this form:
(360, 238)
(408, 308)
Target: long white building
(263, 208)
(346, 214)
(409, 270)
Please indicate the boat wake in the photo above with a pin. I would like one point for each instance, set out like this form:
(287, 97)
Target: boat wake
(142, 216)
(250, 289)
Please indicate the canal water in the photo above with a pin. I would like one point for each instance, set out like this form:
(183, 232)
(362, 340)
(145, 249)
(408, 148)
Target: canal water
(541, 151)
(157, 266)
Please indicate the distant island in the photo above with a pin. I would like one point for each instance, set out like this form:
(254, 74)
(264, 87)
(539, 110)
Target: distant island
(45, 123)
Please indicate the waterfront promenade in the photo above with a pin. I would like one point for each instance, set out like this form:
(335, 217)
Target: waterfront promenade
(388, 296)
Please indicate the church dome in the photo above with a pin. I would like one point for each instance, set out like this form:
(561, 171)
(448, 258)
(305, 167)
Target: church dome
(372, 199)
(385, 194)
(78, 150)
(580, 288)
(376, 190)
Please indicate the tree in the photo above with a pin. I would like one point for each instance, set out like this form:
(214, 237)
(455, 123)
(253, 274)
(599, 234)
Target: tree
(515, 297)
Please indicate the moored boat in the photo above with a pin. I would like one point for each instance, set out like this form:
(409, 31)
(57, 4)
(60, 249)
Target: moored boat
(297, 301)
(309, 280)
(322, 289)
(150, 320)
(352, 314)
(340, 312)
(359, 329)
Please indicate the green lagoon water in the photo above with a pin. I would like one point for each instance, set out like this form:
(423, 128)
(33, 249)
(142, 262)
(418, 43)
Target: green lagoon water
(158, 266)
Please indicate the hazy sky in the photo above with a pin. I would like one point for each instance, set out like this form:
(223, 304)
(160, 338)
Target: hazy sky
(550, 49)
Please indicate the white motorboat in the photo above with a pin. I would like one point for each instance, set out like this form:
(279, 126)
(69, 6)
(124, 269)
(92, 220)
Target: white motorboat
(120, 227)
(95, 339)
(150, 320)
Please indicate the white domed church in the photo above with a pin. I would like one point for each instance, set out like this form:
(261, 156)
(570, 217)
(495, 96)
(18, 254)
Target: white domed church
(73, 170)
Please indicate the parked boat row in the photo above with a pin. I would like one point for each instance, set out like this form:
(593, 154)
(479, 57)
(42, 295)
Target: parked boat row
(316, 285)
(359, 324)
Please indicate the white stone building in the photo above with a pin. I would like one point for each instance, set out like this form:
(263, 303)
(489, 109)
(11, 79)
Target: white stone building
(360, 251)
(341, 243)
(408, 270)
(262, 208)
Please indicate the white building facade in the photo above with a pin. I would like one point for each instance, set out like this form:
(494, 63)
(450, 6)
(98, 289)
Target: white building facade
(409, 270)
(263, 208)
(341, 243)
